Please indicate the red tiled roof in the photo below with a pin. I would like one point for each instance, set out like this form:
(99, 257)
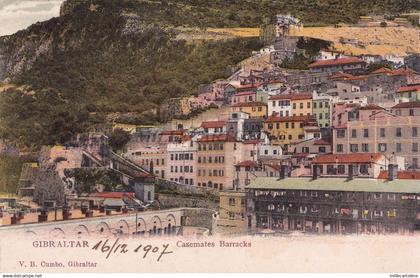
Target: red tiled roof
(291, 96)
(246, 86)
(276, 118)
(347, 158)
(336, 62)
(371, 107)
(274, 166)
(410, 88)
(247, 163)
(340, 75)
(217, 138)
(412, 104)
(113, 195)
(245, 104)
(322, 141)
(172, 132)
(253, 142)
(244, 94)
(213, 124)
(402, 175)
(381, 70)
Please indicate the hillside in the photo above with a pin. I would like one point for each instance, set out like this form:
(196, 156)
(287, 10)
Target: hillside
(101, 57)
(100, 61)
(374, 40)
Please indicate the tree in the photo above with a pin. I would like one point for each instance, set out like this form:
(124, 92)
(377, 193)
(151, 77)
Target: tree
(118, 139)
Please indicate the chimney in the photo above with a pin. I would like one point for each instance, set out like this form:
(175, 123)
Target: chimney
(314, 172)
(392, 172)
(282, 173)
(350, 172)
(66, 213)
(43, 216)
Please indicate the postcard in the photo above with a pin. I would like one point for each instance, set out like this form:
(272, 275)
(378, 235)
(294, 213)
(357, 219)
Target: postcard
(184, 136)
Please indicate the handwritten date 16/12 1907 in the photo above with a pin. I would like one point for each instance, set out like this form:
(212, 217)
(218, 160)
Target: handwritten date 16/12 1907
(146, 250)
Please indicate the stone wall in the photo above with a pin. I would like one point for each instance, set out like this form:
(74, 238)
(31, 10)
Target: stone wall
(172, 201)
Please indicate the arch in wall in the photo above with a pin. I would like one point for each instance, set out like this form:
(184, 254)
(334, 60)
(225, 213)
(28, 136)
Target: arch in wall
(103, 228)
(155, 225)
(122, 227)
(170, 227)
(141, 225)
(170, 218)
(57, 233)
(81, 231)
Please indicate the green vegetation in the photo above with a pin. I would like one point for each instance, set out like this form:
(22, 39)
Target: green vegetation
(122, 56)
(118, 138)
(86, 179)
(252, 13)
(106, 71)
(10, 168)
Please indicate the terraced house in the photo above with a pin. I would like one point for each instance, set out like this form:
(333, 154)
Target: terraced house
(254, 109)
(286, 130)
(373, 129)
(290, 104)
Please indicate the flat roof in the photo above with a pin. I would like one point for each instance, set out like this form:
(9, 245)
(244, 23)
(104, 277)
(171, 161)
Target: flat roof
(337, 184)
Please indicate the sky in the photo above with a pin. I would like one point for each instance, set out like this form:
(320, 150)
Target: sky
(19, 14)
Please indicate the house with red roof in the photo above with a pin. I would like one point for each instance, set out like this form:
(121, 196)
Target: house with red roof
(409, 93)
(243, 97)
(362, 165)
(214, 127)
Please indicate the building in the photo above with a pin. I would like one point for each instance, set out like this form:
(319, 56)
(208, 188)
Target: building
(243, 97)
(254, 109)
(216, 157)
(376, 130)
(322, 109)
(290, 105)
(214, 127)
(181, 166)
(330, 54)
(333, 205)
(232, 205)
(409, 93)
(151, 158)
(367, 165)
(351, 65)
(286, 130)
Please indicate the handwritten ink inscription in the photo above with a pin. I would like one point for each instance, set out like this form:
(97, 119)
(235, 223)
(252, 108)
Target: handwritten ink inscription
(153, 251)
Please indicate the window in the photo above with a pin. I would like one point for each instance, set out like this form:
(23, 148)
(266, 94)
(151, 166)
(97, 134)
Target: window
(354, 148)
(231, 201)
(341, 169)
(398, 132)
(364, 169)
(341, 133)
(382, 132)
(353, 133)
(365, 148)
(308, 105)
(315, 105)
(321, 149)
(415, 147)
(398, 147)
(301, 105)
(294, 105)
(414, 131)
(366, 133)
(339, 148)
(411, 112)
(382, 147)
